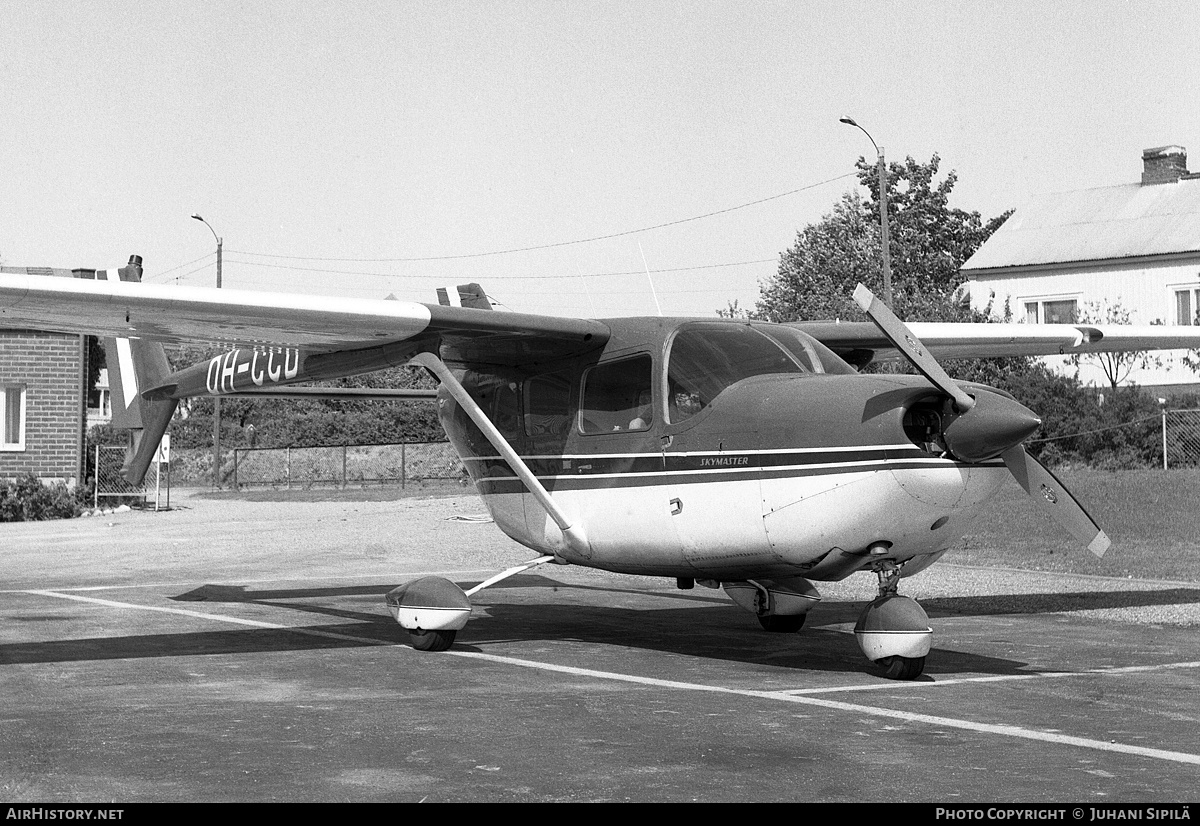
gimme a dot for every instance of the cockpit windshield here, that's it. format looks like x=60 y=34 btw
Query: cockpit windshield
x=807 y=349
x=707 y=357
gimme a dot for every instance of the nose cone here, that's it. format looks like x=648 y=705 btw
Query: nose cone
x=989 y=428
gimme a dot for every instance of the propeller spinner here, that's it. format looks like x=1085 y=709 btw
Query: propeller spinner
x=987 y=425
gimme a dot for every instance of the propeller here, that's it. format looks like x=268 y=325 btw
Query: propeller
x=985 y=425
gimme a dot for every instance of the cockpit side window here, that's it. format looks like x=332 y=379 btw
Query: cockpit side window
x=706 y=358
x=616 y=397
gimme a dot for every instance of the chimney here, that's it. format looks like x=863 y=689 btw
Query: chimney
x=1164 y=165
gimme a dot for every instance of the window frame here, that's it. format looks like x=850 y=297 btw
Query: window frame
x=22 y=425
x=649 y=387
x=1192 y=291
x=691 y=326
x=1042 y=301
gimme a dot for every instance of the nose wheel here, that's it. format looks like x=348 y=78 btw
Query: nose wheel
x=902 y=668
x=432 y=640
x=893 y=630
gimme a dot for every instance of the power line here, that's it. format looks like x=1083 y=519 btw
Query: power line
x=181 y=266
x=496 y=276
x=440 y=281
x=559 y=243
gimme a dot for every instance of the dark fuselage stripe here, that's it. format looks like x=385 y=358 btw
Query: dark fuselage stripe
x=510 y=484
x=655 y=463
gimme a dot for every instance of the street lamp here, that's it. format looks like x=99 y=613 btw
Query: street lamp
x=214 y=232
x=883 y=213
x=216 y=399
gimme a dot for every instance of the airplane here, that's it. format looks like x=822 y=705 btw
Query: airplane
x=735 y=454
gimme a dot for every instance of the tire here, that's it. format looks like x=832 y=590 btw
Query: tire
x=432 y=640
x=903 y=668
x=782 y=623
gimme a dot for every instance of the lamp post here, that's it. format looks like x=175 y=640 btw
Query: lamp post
x=216 y=399
x=883 y=212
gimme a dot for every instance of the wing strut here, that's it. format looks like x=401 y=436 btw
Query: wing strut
x=572 y=533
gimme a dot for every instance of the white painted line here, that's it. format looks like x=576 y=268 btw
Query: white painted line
x=995 y=678
x=183 y=612
x=778 y=696
x=891 y=714
x=192 y=583
x=216 y=617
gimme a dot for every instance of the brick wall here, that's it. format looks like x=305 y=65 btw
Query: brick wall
x=52 y=368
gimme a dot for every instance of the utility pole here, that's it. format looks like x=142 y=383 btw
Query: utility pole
x=216 y=399
x=883 y=213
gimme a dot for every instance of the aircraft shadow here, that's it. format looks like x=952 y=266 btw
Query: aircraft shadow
x=187 y=644
x=708 y=627
x=1056 y=602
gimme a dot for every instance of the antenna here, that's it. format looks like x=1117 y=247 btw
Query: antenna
x=651 y=280
x=587 y=289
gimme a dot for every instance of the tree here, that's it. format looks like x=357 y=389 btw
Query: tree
x=929 y=241
x=1115 y=366
x=817 y=275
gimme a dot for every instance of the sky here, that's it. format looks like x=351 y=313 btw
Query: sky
x=575 y=158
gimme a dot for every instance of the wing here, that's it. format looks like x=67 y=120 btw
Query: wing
x=238 y=318
x=859 y=342
x=276 y=339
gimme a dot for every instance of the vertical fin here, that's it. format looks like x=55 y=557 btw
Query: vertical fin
x=135 y=365
x=471 y=296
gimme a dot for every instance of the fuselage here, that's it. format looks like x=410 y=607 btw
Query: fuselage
x=717 y=449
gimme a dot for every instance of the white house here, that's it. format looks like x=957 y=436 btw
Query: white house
x=100 y=401
x=1077 y=256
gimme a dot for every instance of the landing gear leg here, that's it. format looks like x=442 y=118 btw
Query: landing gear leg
x=779 y=604
x=893 y=630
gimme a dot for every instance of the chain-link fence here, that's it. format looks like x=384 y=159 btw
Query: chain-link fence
x=111 y=485
x=1181 y=438
x=343 y=465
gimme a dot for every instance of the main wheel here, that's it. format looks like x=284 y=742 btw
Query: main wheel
x=783 y=623
x=432 y=640
x=903 y=668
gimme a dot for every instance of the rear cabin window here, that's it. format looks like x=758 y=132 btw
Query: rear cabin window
x=547 y=406
x=616 y=397
x=500 y=399
x=707 y=358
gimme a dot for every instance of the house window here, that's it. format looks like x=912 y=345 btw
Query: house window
x=1052 y=311
x=1187 y=305
x=12 y=418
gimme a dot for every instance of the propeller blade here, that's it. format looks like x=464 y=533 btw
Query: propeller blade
x=1053 y=497
x=908 y=344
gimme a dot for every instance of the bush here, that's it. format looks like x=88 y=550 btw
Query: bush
x=28 y=500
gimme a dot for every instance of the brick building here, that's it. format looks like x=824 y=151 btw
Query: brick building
x=43 y=398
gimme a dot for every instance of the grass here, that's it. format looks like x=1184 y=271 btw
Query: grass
x=430 y=488
x=1150 y=515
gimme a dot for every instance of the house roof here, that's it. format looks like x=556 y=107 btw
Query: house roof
x=1127 y=221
